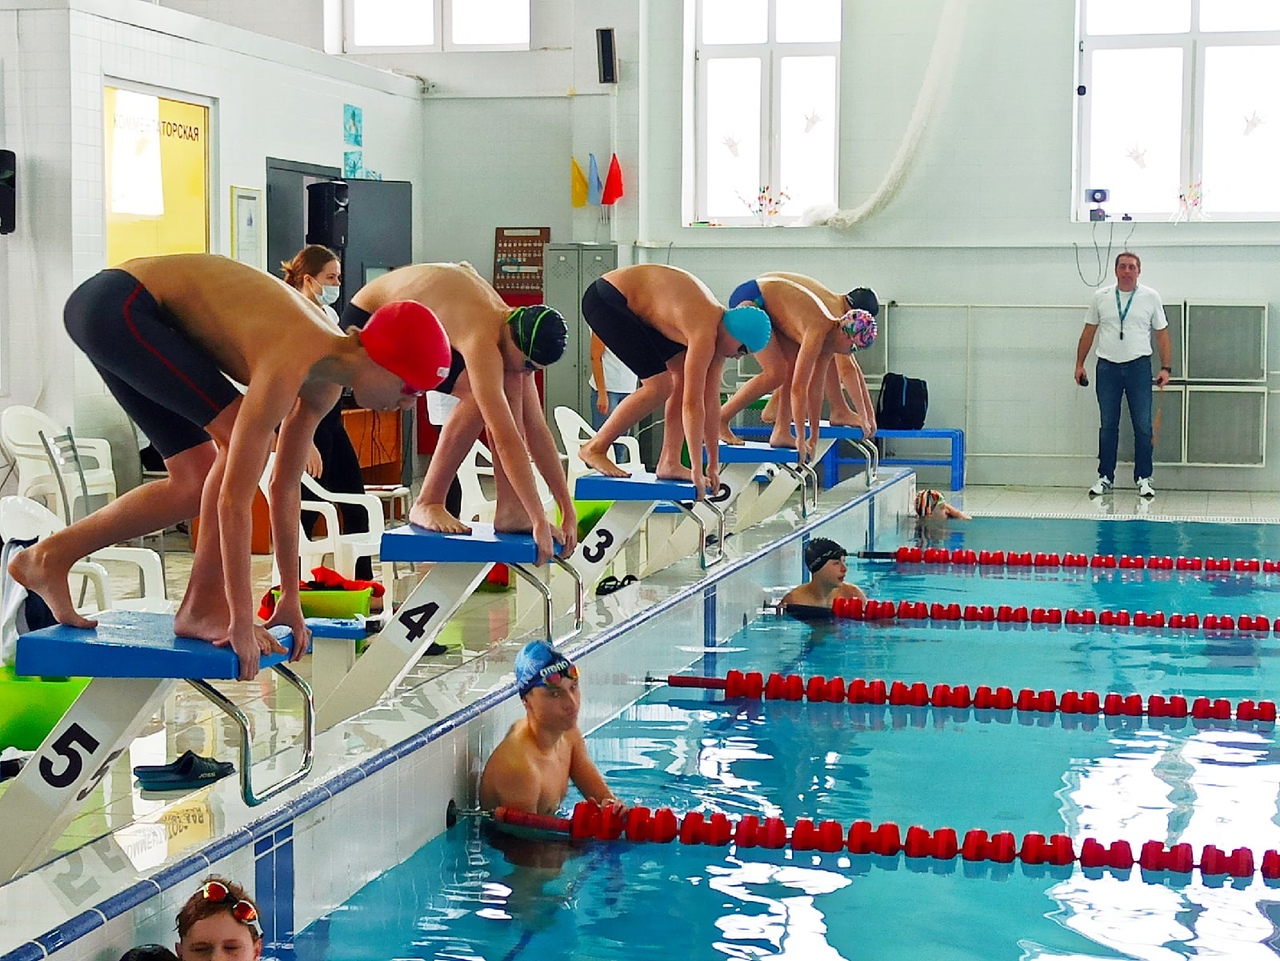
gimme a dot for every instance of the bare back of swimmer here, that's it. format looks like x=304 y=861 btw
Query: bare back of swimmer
x=498 y=350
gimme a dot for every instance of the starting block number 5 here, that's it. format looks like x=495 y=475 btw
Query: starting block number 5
x=68 y=747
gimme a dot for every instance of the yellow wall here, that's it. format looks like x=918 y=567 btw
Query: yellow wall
x=157 y=175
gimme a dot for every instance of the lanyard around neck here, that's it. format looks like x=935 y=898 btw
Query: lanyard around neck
x=1124 y=311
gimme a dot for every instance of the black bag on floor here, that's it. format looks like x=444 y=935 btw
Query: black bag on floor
x=903 y=403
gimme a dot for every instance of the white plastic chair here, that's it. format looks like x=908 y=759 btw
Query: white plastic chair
x=345 y=548
x=574 y=432
x=24 y=519
x=20 y=429
x=476 y=504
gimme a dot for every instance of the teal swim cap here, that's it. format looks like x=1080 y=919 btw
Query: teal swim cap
x=749 y=326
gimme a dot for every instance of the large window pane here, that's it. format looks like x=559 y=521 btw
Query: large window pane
x=1135 y=103
x=1242 y=129
x=497 y=22
x=1112 y=17
x=1239 y=15
x=733 y=135
x=807 y=127
x=735 y=21
x=809 y=21
x=392 y=23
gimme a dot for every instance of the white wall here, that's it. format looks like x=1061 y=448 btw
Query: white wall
x=270 y=99
x=980 y=216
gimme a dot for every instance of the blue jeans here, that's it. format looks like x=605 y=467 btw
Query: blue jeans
x=597 y=418
x=1131 y=380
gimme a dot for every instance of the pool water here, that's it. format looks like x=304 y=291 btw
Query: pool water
x=466 y=896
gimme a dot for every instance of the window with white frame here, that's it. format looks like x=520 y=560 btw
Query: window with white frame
x=414 y=25
x=1180 y=110
x=766 y=85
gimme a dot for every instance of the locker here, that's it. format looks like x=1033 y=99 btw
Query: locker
x=568 y=269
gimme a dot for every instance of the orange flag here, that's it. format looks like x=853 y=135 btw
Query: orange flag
x=577 y=184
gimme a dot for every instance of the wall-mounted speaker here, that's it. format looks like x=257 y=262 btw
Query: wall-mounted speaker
x=8 y=191
x=327 y=213
x=606 y=55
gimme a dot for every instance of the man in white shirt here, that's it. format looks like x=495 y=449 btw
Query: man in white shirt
x=1123 y=317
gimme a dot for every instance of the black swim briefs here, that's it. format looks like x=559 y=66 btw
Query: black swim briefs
x=644 y=350
x=167 y=383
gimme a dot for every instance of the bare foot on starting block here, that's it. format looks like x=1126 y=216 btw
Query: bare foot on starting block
x=204 y=618
x=512 y=518
x=845 y=418
x=770 y=412
x=35 y=571
x=674 y=470
x=782 y=437
x=729 y=437
x=598 y=460
x=434 y=517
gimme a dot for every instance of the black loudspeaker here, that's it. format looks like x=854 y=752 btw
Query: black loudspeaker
x=8 y=191
x=606 y=55
x=327 y=213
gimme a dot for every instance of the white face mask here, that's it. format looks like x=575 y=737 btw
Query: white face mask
x=329 y=295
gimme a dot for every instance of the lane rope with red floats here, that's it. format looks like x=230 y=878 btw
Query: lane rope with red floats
x=663 y=826
x=853 y=608
x=753 y=686
x=967 y=557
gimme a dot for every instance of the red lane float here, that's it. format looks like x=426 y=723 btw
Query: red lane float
x=987 y=558
x=859 y=690
x=852 y=608
x=663 y=826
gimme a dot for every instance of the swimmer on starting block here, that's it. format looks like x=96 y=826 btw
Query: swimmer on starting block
x=496 y=350
x=795 y=365
x=169 y=335
x=531 y=769
x=824 y=559
x=668 y=328
x=843 y=373
x=932 y=507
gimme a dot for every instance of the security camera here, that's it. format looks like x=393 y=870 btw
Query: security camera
x=1098 y=195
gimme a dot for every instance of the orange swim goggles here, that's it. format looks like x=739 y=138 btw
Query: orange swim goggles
x=218 y=893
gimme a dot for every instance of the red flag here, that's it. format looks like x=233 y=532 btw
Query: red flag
x=612 y=182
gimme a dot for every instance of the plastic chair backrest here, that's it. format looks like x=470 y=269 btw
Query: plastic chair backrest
x=64 y=458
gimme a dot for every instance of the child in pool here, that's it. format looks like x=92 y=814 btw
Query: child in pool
x=824 y=559
x=932 y=507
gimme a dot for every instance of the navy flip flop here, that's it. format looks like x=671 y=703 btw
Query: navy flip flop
x=188 y=772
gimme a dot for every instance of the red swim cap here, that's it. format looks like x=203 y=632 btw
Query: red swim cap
x=407 y=339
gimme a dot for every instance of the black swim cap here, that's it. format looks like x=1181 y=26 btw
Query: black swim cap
x=820 y=550
x=863 y=298
x=540 y=332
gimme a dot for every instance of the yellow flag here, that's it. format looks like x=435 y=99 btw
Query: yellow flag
x=578 y=181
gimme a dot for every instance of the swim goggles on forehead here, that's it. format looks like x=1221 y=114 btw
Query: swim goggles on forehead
x=216 y=892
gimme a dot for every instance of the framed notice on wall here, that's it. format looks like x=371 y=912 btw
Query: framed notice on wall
x=246 y=226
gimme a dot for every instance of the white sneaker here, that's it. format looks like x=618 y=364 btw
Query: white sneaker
x=1144 y=487
x=1102 y=487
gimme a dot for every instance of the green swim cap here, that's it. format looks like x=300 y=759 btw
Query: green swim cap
x=749 y=326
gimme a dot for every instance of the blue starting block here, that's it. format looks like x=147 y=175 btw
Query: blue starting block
x=634 y=498
x=740 y=462
x=829 y=459
x=461 y=563
x=135 y=661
